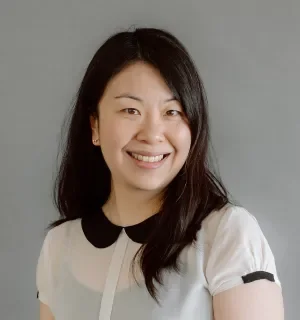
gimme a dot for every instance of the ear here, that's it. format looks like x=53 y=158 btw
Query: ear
x=94 y=122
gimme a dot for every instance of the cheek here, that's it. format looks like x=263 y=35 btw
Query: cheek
x=181 y=138
x=114 y=135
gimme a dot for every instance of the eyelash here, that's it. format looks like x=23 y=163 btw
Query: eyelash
x=127 y=110
x=130 y=109
x=178 y=113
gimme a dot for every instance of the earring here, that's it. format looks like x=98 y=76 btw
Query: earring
x=95 y=140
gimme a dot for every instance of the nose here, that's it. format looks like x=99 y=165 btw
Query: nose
x=151 y=131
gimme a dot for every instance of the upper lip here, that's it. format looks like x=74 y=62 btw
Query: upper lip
x=149 y=154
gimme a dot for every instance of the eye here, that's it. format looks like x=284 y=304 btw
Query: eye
x=173 y=113
x=131 y=111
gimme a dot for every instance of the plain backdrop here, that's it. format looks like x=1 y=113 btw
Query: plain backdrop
x=247 y=53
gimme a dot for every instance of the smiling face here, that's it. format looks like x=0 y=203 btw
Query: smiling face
x=142 y=130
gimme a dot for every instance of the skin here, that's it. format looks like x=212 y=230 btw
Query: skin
x=136 y=115
x=45 y=312
x=139 y=114
x=259 y=300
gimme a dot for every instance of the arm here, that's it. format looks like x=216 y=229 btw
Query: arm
x=45 y=313
x=240 y=270
x=259 y=300
x=44 y=273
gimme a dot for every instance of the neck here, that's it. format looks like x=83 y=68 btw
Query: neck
x=127 y=207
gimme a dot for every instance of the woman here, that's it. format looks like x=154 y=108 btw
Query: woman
x=147 y=231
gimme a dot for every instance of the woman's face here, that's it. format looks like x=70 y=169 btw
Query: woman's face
x=142 y=130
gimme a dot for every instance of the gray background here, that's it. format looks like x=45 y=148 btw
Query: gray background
x=248 y=55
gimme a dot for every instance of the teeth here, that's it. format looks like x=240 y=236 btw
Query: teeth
x=147 y=159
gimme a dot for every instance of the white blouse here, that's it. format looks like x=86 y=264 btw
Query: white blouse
x=83 y=271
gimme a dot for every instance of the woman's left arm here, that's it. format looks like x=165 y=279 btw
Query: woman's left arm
x=258 y=300
x=240 y=268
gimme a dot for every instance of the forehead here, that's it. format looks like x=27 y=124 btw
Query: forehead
x=140 y=79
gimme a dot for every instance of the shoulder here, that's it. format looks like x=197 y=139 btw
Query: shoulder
x=54 y=247
x=57 y=237
x=236 y=250
x=63 y=229
x=51 y=255
x=231 y=219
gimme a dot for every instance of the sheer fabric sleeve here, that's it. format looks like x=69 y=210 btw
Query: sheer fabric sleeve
x=239 y=252
x=44 y=272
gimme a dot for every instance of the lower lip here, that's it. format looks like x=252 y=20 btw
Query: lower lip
x=148 y=165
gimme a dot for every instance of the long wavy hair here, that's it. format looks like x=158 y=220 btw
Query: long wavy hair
x=83 y=182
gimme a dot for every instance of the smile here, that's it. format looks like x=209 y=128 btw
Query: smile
x=148 y=161
x=147 y=158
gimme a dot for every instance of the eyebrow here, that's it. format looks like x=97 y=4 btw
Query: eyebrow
x=130 y=96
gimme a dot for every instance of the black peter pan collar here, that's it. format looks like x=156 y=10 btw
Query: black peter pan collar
x=102 y=233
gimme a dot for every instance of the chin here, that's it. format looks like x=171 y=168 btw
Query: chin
x=148 y=185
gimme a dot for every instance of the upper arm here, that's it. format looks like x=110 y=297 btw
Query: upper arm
x=259 y=300
x=47 y=270
x=44 y=272
x=240 y=269
x=45 y=312
x=52 y=255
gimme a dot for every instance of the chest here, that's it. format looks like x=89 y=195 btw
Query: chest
x=99 y=284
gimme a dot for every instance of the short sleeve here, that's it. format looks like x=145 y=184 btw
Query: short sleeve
x=44 y=272
x=239 y=252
